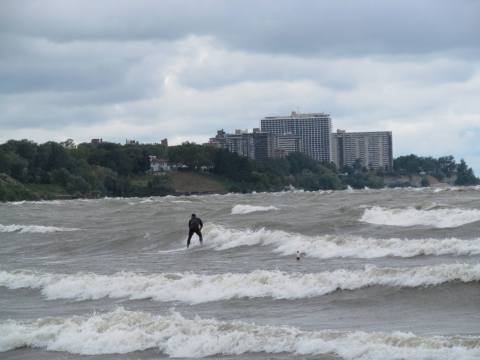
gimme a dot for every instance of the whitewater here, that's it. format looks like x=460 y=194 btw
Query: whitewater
x=121 y=332
x=439 y=218
x=333 y=246
x=382 y=274
x=32 y=228
x=193 y=288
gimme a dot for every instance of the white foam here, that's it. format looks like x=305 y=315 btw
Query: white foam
x=455 y=188
x=438 y=218
x=246 y=209
x=196 y=288
x=41 y=202
x=122 y=331
x=33 y=228
x=171 y=251
x=337 y=246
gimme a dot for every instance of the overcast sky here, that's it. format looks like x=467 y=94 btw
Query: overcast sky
x=146 y=70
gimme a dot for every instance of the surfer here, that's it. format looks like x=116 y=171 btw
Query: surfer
x=195 y=226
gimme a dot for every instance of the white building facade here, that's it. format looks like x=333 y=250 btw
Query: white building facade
x=312 y=129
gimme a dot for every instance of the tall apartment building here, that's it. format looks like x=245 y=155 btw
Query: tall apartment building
x=374 y=149
x=313 y=129
x=286 y=144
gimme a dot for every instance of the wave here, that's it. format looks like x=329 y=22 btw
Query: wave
x=195 y=288
x=38 y=202
x=438 y=218
x=246 y=209
x=337 y=246
x=33 y=228
x=122 y=331
x=456 y=188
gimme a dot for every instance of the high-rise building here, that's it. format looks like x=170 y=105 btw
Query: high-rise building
x=373 y=149
x=313 y=129
x=286 y=144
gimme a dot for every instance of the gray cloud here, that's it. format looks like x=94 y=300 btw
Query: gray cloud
x=270 y=26
x=35 y=64
x=182 y=69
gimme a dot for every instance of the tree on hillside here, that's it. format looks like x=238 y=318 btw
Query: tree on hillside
x=299 y=162
x=192 y=155
x=409 y=164
x=465 y=175
x=233 y=166
x=447 y=164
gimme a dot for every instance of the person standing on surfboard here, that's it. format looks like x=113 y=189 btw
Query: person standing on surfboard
x=195 y=226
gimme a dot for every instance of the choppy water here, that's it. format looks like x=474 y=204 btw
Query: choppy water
x=386 y=274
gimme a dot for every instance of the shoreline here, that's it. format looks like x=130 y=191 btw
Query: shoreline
x=434 y=189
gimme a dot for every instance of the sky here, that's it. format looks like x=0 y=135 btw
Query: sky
x=148 y=70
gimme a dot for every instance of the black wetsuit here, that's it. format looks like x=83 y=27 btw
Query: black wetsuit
x=195 y=226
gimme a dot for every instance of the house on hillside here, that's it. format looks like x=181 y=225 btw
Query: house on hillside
x=158 y=164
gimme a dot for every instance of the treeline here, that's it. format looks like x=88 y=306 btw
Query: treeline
x=61 y=169
x=29 y=170
x=443 y=169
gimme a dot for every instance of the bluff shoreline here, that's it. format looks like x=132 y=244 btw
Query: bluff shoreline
x=184 y=184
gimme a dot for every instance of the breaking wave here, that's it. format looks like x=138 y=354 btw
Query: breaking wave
x=121 y=331
x=246 y=209
x=198 y=288
x=335 y=246
x=41 y=202
x=33 y=228
x=438 y=218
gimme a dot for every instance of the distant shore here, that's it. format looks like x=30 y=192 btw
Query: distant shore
x=30 y=171
x=185 y=184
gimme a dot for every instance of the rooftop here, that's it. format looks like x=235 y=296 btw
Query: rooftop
x=296 y=115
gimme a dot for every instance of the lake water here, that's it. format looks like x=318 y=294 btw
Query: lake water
x=383 y=274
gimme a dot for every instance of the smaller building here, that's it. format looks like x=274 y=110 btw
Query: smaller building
x=263 y=144
x=131 y=142
x=158 y=164
x=256 y=145
x=96 y=141
x=68 y=144
x=219 y=140
x=373 y=149
x=164 y=142
x=236 y=143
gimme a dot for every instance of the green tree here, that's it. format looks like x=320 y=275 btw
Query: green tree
x=232 y=166
x=161 y=185
x=465 y=175
x=299 y=162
